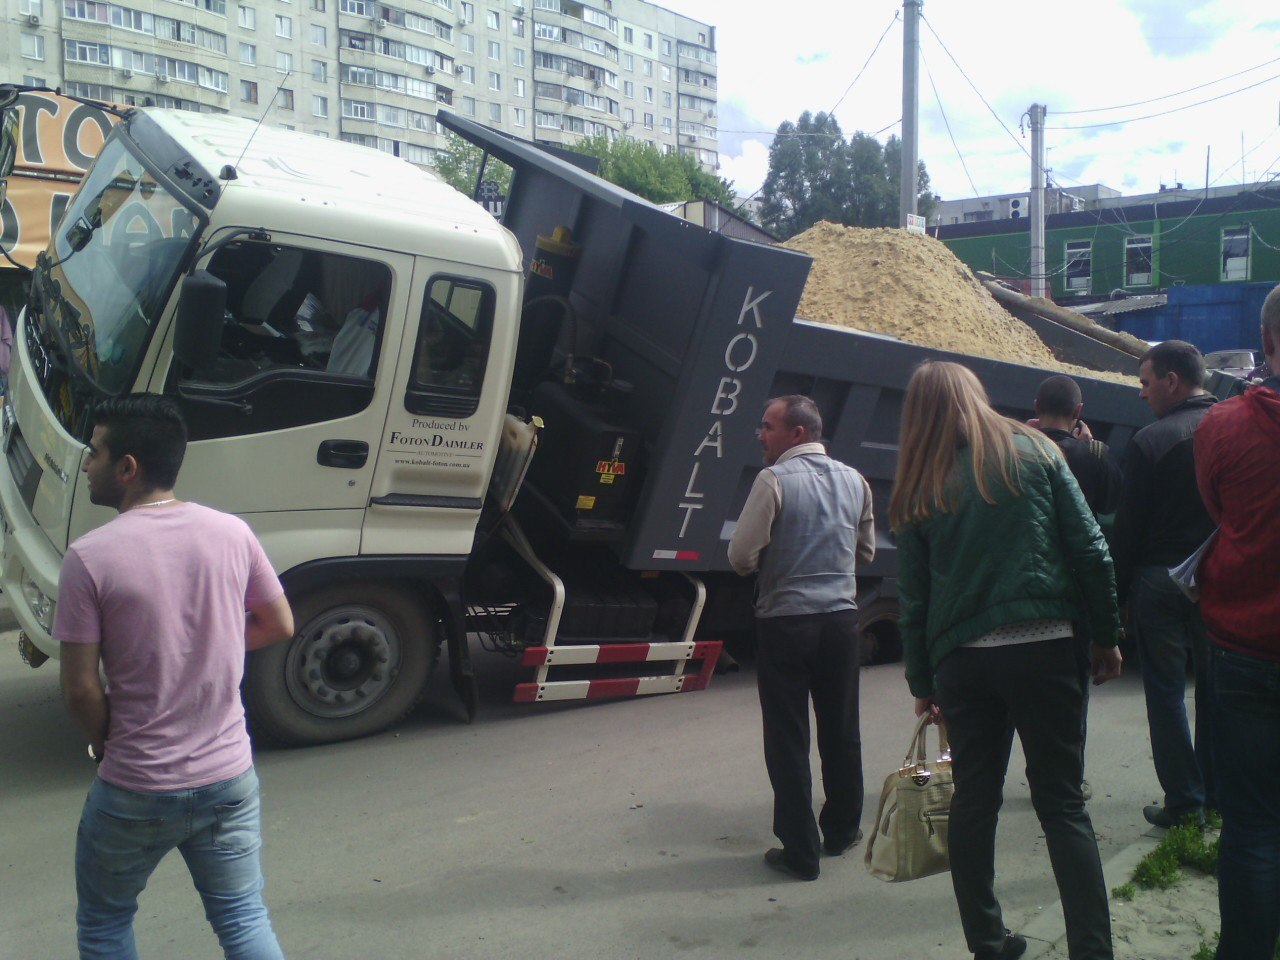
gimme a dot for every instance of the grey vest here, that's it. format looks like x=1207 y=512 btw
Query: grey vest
x=808 y=566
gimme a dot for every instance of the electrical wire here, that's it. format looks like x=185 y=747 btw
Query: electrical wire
x=896 y=18
x=947 y=124
x=1171 y=110
x=973 y=86
x=1169 y=96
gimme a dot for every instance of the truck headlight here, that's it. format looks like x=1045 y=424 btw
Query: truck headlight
x=41 y=605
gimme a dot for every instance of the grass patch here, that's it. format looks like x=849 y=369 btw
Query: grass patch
x=1206 y=951
x=1123 y=892
x=1181 y=846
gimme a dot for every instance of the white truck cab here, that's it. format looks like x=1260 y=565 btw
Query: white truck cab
x=339 y=328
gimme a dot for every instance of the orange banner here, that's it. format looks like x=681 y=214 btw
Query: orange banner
x=57 y=141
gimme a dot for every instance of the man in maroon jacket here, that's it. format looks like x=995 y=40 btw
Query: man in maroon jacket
x=1237 y=453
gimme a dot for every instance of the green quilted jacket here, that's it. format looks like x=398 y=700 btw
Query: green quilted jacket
x=1035 y=556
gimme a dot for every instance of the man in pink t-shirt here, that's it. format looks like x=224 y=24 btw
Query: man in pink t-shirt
x=167 y=596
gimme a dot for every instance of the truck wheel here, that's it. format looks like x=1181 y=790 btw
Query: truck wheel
x=358 y=664
x=878 y=622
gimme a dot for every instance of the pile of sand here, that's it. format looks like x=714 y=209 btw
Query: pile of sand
x=911 y=287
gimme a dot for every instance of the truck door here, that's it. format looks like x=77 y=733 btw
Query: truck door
x=445 y=412
x=284 y=421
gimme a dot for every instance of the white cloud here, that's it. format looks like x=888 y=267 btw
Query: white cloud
x=1095 y=54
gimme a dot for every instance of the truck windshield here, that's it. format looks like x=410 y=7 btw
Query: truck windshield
x=111 y=266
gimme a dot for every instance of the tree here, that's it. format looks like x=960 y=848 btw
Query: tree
x=816 y=174
x=658 y=177
x=458 y=165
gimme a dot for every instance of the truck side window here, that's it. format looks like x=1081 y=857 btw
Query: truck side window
x=452 y=348
x=300 y=340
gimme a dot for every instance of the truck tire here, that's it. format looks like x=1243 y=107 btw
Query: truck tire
x=878 y=623
x=358 y=664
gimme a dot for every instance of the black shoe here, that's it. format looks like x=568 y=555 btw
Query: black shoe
x=1014 y=946
x=836 y=851
x=776 y=859
x=1159 y=816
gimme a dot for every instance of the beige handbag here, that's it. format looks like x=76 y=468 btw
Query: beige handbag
x=910 y=838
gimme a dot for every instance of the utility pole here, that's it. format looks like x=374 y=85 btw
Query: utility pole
x=910 y=108
x=1038 y=284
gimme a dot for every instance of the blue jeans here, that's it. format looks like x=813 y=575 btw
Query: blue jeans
x=1245 y=699
x=1167 y=627
x=125 y=834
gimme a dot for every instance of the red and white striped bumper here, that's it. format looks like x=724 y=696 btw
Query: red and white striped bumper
x=544 y=689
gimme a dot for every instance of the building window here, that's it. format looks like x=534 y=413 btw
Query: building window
x=666 y=74
x=666 y=47
x=628 y=88
x=32 y=46
x=317 y=5
x=517 y=27
x=319 y=35
x=495 y=50
x=1235 y=253
x=628 y=61
x=648 y=41
x=628 y=35
x=284 y=62
x=469 y=106
x=1079 y=259
x=467 y=12
x=648 y=121
x=517 y=57
x=666 y=124
x=248 y=54
x=284 y=27
x=492 y=21
x=495 y=113
x=518 y=88
x=648 y=68
x=518 y=116
x=666 y=99
x=247 y=17
x=979 y=216
x=31 y=8
x=286 y=98
x=31 y=81
x=467 y=74
x=319 y=71
x=495 y=81
x=248 y=91
x=319 y=106
x=648 y=94
x=468 y=43
x=1137 y=262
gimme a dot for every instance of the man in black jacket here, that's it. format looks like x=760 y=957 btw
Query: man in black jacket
x=1160 y=522
x=1058 y=407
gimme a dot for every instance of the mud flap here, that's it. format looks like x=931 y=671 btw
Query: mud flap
x=461 y=674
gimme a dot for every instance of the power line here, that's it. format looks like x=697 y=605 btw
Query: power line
x=947 y=123
x=973 y=86
x=1169 y=96
x=896 y=17
x=1165 y=113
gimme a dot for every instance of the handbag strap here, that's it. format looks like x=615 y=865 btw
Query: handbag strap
x=918 y=748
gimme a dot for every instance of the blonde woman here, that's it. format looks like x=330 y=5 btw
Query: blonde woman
x=998 y=555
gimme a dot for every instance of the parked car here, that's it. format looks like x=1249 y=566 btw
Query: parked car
x=1238 y=363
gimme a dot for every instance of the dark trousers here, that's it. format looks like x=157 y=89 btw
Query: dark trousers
x=1167 y=628
x=986 y=694
x=798 y=657
x=1244 y=695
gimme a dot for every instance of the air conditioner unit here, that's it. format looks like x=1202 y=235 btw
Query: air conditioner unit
x=379 y=23
x=127 y=74
x=430 y=70
x=458 y=69
x=691 y=138
x=33 y=19
x=162 y=78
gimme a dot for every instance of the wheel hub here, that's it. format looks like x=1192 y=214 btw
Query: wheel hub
x=342 y=661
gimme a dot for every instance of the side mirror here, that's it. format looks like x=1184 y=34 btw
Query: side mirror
x=201 y=305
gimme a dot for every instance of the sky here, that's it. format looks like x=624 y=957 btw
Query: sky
x=776 y=61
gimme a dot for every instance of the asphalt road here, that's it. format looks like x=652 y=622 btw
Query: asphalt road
x=611 y=830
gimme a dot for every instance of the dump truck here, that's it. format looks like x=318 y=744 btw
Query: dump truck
x=534 y=433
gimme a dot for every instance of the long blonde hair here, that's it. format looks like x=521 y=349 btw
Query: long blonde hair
x=947 y=408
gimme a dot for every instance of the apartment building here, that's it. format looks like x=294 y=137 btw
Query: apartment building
x=374 y=72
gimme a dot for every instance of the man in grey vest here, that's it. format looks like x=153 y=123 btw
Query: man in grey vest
x=806 y=524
